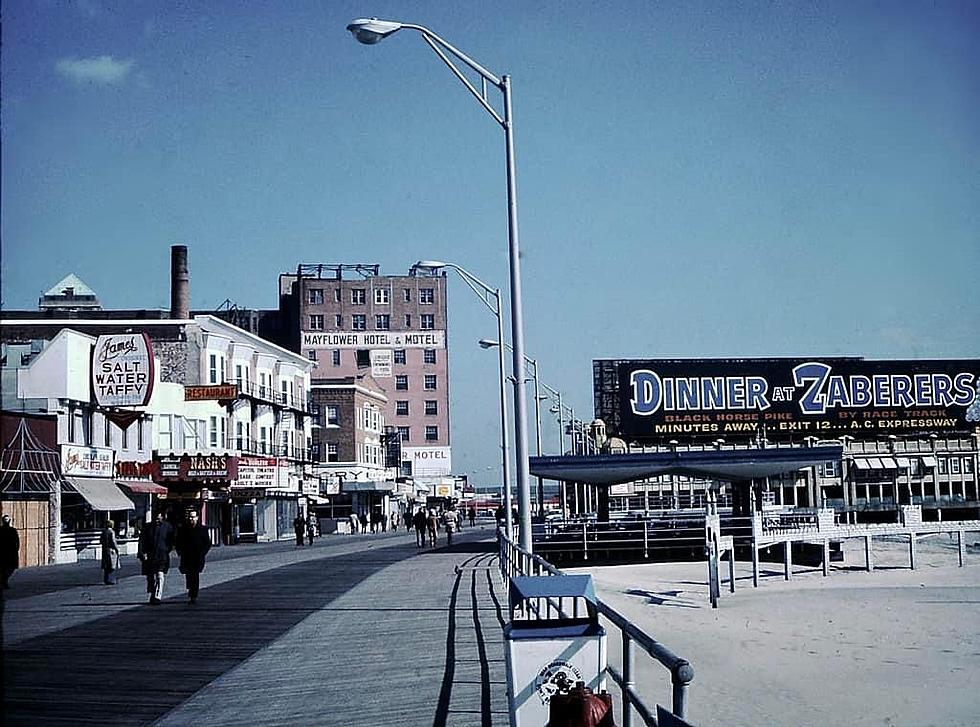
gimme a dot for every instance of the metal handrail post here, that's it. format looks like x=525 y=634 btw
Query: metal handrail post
x=681 y=676
x=629 y=662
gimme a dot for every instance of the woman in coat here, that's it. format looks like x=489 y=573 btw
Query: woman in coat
x=110 y=554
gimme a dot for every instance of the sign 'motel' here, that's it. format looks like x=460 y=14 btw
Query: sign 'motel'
x=122 y=370
x=835 y=396
x=374 y=339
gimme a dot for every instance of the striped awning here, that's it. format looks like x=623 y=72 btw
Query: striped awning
x=889 y=463
x=904 y=463
x=929 y=462
x=143 y=487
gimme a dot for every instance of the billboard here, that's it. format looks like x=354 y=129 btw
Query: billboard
x=795 y=397
x=122 y=369
x=86 y=461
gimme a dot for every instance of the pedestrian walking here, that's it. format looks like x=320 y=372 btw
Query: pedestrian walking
x=193 y=544
x=419 y=522
x=409 y=519
x=394 y=522
x=310 y=526
x=353 y=522
x=472 y=514
x=299 y=527
x=156 y=542
x=9 y=550
x=432 y=526
x=110 y=554
x=364 y=522
x=450 y=522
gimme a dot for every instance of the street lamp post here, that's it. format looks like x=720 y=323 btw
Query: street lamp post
x=533 y=363
x=485 y=293
x=371 y=31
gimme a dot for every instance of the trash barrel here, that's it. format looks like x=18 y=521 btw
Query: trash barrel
x=551 y=649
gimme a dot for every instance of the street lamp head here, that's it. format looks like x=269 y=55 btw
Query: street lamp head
x=430 y=264
x=488 y=343
x=371 y=30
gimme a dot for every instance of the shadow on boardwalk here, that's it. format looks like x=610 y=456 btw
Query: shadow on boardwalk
x=362 y=637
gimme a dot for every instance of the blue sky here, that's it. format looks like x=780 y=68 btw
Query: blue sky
x=694 y=178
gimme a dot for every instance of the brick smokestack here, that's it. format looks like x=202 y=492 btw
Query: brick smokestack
x=179 y=282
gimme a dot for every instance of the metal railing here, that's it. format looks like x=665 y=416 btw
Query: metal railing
x=515 y=561
x=266 y=392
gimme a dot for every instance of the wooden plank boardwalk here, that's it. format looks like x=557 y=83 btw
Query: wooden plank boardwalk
x=357 y=630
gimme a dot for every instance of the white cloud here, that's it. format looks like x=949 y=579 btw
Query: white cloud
x=101 y=70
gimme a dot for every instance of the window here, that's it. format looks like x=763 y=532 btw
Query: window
x=262 y=384
x=941 y=466
x=404 y=433
x=86 y=423
x=333 y=415
x=429 y=355
x=107 y=431
x=338 y=321
x=430 y=382
x=358 y=322
x=401 y=382
x=358 y=296
x=427 y=322
x=164 y=432
x=401 y=408
x=264 y=440
x=830 y=469
x=213 y=432
x=363 y=358
x=140 y=441
x=408 y=320
x=316 y=296
x=431 y=407
x=216 y=368
x=381 y=296
x=954 y=466
x=426 y=296
x=407 y=295
x=316 y=322
x=967 y=466
x=336 y=295
x=238 y=373
x=194 y=433
x=125 y=437
x=399 y=355
x=431 y=434
x=335 y=357
x=382 y=322
x=332 y=455
x=311 y=354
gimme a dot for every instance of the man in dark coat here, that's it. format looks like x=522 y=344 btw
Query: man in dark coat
x=9 y=550
x=419 y=522
x=156 y=542
x=193 y=544
x=299 y=527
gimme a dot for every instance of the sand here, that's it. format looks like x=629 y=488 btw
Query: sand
x=891 y=647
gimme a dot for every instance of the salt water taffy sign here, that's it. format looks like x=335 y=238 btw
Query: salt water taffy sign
x=122 y=370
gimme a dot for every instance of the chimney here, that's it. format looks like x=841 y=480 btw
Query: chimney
x=179 y=285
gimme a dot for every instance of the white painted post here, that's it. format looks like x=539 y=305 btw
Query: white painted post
x=959 y=545
x=912 y=550
x=826 y=556
x=869 y=562
x=788 y=560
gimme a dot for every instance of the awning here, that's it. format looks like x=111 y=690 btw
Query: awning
x=369 y=486
x=889 y=463
x=904 y=463
x=862 y=464
x=875 y=463
x=143 y=487
x=929 y=462
x=102 y=495
x=732 y=465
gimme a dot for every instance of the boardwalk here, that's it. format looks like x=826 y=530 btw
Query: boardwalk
x=361 y=630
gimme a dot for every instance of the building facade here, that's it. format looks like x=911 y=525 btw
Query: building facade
x=349 y=321
x=226 y=429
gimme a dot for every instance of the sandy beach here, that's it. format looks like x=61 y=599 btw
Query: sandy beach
x=890 y=647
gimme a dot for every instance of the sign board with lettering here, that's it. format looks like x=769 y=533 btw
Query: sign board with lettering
x=428 y=460
x=197 y=467
x=86 y=461
x=381 y=361
x=789 y=397
x=211 y=393
x=374 y=339
x=122 y=369
x=258 y=472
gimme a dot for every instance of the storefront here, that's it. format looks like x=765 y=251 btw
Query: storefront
x=201 y=481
